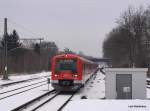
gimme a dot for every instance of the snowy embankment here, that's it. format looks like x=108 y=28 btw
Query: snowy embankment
x=108 y=105
x=20 y=77
x=94 y=89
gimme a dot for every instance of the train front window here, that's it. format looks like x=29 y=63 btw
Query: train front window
x=66 y=65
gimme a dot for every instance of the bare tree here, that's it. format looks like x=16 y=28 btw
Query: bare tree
x=126 y=43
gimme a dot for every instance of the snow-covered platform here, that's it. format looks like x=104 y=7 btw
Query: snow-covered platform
x=108 y=105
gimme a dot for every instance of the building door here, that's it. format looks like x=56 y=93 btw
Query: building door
x=124 y=86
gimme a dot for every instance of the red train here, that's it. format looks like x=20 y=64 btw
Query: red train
x=70 y=71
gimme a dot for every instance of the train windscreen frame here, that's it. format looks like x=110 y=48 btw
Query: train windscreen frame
x=66 y=65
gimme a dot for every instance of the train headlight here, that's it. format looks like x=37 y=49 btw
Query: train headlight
x=56 y=75
x=75 y=75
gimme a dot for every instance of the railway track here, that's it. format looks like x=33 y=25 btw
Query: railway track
x=66 y=102
x=60 y=101
x=21 y=81
x=43 y=103
x=21 y=87
x=28 y=104
x=49 y=99
x=13 y=92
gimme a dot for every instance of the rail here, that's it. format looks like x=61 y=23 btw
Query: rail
x=45 y=102
x=22 y=87
x=22 y=91
x=21 y=81
x=60 y=109
x=32 y=101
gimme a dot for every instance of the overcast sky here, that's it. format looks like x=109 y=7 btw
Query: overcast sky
x=80 y=25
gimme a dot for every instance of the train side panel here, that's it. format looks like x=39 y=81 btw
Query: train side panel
x=87 y=72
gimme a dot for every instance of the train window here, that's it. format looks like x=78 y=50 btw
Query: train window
x=66 y=65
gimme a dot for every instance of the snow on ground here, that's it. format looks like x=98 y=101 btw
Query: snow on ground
x=95 y=92
x=108 y=105
x=148 y=93
x=17 y=100
x=13 y=78
x=148 y=79
x=94 y=89
x=20 y=90
x=10 y=103
x=148 y=90
x=55 y=104
x=15 y=86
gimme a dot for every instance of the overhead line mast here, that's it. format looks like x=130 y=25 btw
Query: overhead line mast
x=5 y=75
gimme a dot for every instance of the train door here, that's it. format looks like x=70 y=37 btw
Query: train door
x=124 y=86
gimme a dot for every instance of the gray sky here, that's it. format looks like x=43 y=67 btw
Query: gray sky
x=80 y=25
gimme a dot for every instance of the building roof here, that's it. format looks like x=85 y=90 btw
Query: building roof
x=100 y=59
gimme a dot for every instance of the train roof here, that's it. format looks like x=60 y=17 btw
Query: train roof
x=73 y=56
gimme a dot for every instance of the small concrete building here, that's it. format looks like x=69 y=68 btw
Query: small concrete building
x=125 y=83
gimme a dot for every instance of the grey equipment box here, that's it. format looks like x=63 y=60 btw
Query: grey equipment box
x=125 y=83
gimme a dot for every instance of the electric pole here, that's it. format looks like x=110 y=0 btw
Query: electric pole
x=5 y=75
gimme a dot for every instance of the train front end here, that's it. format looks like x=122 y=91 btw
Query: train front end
x=66 y=73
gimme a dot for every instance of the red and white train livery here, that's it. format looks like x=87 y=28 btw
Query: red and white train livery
x=70 y=71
